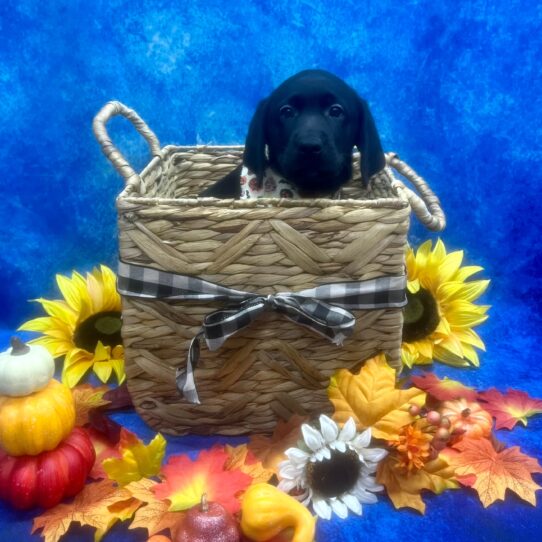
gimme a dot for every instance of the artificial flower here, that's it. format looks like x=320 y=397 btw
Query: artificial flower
x=334 y=469
x=441 y=313
x=413 y=446
x=84 y=326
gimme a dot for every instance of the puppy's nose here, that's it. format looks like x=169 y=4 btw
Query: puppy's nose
x=312 y=147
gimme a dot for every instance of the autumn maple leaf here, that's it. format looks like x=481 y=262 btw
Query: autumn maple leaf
x=87 y=398
x=99 y=505
x=154 y=515
x=186 y=481
x=404 y=488
x=443 y=390
x=270 y=450
x=137 y=460
x=495 y=471
x=510 y=408
x=241 y=458
x=371 y=398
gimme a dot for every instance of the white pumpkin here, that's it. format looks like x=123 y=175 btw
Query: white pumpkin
x=24 y=369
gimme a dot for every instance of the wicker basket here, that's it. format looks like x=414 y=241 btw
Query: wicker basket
x=272 y=367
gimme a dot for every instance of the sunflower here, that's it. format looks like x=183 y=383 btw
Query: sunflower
x=440 y=312
x=84 y=326
x=333 y=469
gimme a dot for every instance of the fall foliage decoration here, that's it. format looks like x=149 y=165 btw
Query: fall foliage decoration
x=372 y=399
x=37 y=422
x=468 y=418
x=137 y=460
x=84 y=327
x=441 y=314
x=510 y=408
x=445 y=389
x=495 y=471
x=187 y=480
x=45 y=479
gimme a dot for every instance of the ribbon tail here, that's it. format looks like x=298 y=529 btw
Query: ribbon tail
x=184 y=378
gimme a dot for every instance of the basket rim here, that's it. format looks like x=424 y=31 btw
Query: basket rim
x=127 y=194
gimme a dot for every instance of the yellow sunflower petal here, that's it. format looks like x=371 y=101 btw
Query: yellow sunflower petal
x=465 y=272
x=58 y=309
x=464 y=314
x=95 y=292
x=43 y=323
x=470 y=353
x=470 y=337
x=451 y=344
x=445 y=356
x=467 y=291
x=74 y=373
x=56 y=347
x=424 y=347
x=103 y=370
x=449 y=265
x=111 y=296
x=413 y=286
x=70 y=292
x=423 y=253
x=118 y=367
x=77 y=355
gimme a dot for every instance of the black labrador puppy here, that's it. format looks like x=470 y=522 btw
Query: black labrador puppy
x=305 y=132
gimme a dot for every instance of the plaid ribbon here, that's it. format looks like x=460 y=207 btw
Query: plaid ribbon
x=324 y=309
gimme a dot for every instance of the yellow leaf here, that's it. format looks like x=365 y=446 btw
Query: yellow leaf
x=90 y=507
x=245 y=461
x=87 y=398
x=138 y=460
x=155 y=515
x=371 y=398
x=404 y=489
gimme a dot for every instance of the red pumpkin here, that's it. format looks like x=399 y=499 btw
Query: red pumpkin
x=45 y=479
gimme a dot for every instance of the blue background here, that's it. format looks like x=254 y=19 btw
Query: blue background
x=454 y=89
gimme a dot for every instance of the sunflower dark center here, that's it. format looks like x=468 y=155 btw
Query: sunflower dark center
x=335 y=476
x=421 y=316
x=102 y=326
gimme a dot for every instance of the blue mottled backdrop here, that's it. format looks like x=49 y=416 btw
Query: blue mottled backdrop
x=454 y=88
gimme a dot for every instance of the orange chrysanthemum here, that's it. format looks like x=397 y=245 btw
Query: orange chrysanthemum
x=413 y=447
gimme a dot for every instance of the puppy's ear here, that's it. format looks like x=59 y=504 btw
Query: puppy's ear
x=368 y=143
x=254 y=156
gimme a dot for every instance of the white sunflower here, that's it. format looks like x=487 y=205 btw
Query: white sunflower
x=333 y=468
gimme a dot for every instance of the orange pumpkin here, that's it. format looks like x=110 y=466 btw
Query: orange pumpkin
x=37 y=422
x=467 y=418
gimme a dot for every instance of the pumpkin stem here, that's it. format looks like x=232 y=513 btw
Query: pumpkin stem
x=18 y=348
x=465 y=413
x=204 y=504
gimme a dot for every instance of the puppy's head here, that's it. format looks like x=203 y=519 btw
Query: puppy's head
x=309 y=125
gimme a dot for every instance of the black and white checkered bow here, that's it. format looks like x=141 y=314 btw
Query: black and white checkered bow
x=322 y=309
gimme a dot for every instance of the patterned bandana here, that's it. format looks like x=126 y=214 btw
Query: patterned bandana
x=273 y=186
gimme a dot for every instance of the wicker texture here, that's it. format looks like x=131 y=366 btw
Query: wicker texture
x=273 y=368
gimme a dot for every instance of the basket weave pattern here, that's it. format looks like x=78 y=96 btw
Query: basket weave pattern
x=273 y=368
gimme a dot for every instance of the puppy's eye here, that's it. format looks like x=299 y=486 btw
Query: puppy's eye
x=287 y=112
x=336 y=111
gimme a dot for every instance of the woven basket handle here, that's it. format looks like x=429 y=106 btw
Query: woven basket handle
x=426 y=206
x=108 y=111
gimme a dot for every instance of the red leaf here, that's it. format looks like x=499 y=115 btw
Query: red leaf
x=187 y=480
x=443 y=390
x=510 y=408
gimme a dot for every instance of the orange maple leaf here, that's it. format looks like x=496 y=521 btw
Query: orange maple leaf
x=372 y=399
x=270 y=450
x=404 y=488
x=186 y=481
x=510 y=408
x=495 y=471
x=443 y=390
x=241 y=458
x=99 y=505
x=154 y=515
x=87 y=398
